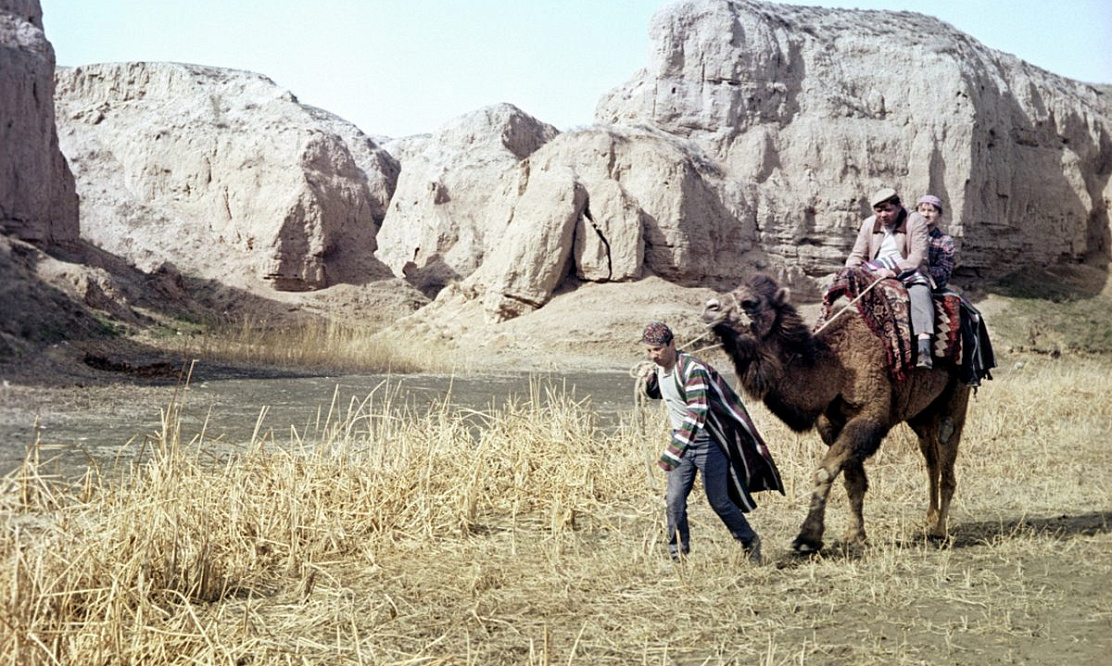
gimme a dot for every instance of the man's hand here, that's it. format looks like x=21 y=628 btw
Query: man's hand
x=876 y=268
x=645 y=368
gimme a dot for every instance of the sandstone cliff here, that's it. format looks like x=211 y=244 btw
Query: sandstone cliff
x=447 y=213
x=37 y=198
x=38 y=203
x=749 y=142
x=809 y=110
x=599 y=204
x=223 y=173
x=611 y=204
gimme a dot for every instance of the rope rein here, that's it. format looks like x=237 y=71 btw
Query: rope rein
x=694 y=340
x=848 y=305
x=640 y=371
x=637 y=369
x=641 y=399
x=634 y=371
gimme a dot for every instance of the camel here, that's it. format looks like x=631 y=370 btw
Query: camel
x=837 y=382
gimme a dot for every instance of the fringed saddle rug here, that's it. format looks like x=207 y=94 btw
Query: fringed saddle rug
x=887 y=312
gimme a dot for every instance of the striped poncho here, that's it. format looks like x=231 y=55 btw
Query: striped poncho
x=712 y=405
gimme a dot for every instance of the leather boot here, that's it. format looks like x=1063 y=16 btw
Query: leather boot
x=924 y=360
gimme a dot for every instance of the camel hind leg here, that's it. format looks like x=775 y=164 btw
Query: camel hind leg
x=928 y=445
x=853 y=472
x=951 y=425
x=939 y=429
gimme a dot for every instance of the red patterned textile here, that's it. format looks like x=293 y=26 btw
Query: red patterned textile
x=947 y=327
x=886 y=311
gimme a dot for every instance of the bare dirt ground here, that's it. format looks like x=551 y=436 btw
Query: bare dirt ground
x=563 y=560
x=1025 y=578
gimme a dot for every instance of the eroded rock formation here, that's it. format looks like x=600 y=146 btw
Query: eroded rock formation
x=750 y=141
x=810 y=109
x=223 y=173
x=626 y=202
x=449 y=209
x=37 y=198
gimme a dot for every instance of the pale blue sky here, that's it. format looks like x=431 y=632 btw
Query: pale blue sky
x=399 y=67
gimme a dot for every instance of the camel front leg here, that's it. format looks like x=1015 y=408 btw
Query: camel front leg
x=809 y=539
x=857 y=439
x=948 y=440
x=928 y=445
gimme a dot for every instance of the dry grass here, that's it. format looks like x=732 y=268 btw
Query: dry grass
x=529 y=535
x=308 y=344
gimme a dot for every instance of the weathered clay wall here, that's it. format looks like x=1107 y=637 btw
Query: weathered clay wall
x=811 y=109
x=223 y=173
x=37 y=198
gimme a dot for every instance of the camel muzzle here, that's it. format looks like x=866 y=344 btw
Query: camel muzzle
x=714 y=313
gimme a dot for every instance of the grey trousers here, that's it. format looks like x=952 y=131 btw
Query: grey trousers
x=922 y=309
x=706 y=456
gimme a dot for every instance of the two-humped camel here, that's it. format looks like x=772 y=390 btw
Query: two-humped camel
x=838 y=382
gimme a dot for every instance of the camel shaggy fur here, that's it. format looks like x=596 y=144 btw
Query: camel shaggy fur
x=838 y=382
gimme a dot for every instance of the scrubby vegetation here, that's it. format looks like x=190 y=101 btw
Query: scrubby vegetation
x=1065 y=310
x=530 y=534
x=306 y=344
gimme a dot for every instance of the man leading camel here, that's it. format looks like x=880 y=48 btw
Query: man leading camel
x=711 y=432
x=895 y=243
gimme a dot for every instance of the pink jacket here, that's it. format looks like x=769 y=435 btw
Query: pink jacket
x=912 y=238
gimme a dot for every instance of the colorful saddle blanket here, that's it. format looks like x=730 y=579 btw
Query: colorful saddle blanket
x=887 y=312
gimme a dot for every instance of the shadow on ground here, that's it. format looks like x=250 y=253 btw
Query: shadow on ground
x=973 y=534
x=966 y=535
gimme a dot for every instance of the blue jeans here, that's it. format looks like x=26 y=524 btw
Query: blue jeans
x=706 y=456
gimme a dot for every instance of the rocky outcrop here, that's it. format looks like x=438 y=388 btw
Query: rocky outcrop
x=626 y=202
x=379 y=167
x=38 y=201
x=600 y=204
x=656 y=203
x=750 y=142
x=535 y=247
x=808 y=110
x=448 y=210
x=223 y=173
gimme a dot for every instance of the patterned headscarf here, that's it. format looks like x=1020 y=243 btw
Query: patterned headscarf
x=656 y=333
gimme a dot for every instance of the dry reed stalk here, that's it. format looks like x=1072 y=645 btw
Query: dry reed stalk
x=526 y=534
x=308 y=344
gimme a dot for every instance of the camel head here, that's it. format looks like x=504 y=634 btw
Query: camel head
x=752 y=309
